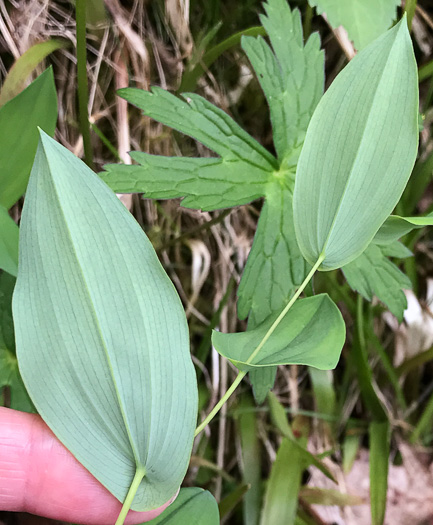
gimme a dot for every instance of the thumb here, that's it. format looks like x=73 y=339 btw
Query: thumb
x=39 y=475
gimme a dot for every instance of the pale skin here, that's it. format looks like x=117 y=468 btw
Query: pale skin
x=39 y=475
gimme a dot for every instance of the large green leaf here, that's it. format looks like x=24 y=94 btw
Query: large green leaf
x=102 y=339
x=19 y=119
x=372 y=273
x=8 y=243
x=359 y=151
x=312 y=333
x=193 y=506
x=364 y=20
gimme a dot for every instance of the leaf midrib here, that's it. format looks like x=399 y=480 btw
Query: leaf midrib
x=138 y=463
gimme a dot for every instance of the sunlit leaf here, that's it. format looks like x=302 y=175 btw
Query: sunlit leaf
x=19 y=119
x=25 y=65
x=312 y=333
x=359 y=151
x=102 y=339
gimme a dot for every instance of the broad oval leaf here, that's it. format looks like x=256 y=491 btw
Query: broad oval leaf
x=19 y=119
x=193 y=506
x=102 y=339
x=359 y=151
x=312 y=333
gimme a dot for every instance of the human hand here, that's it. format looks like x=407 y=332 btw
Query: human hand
x=39 y=475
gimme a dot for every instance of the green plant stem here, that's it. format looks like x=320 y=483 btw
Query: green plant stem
x=424 y=422
x=409 y=9
x=268 y=334
x=83 y=88
x=139 y=475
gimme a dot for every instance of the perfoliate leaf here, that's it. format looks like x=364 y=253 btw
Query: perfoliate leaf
x=364 y=20
x=19 y=119
x=312 y=333
x=102 y=339
x=193 y=506
x=372 y=273
x=292 y=79
x=359 y=152
x=395 y=227
x=9 y=234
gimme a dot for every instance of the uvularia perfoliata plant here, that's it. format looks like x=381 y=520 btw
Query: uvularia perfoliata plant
x=102 y=339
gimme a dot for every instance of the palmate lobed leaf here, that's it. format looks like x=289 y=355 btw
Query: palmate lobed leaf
x=19 y=118
x=359 y=151
x=372 y=273
x=364 y=20
x=312 y=333
x=102 y=339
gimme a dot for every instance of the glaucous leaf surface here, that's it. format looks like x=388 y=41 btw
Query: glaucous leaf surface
x=364 y=20
x=395 y=227
x=9 y=235
x=372 y=273
x=102 y=339
x=312 y=333
x=193 y=506
x=19 y=119
x=359 y=151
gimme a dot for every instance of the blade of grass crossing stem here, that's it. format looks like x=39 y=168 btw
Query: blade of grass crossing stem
x=324 y=396
x=229 y=502
x=424 y=423
x=281 y=498
x=379 y=432
x=251 y=462
x=190 y=78
x=83 y=88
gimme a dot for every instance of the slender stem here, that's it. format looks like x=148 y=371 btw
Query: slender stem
x=220 y=403
x=83 y=88
x=139 y=475
x=410 y=8
x=268 y=334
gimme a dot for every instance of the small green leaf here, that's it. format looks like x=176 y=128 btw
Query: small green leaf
x=372 y=273
x=395 y=227
x=364 y=20
x=232 y=499
x=9 y=234
x=25 y=65
x=359 y=151
x=312 y=333
x=7 y=336
x=380 y=434
x=19 y=119
x=193 y=506
x=102 y=339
